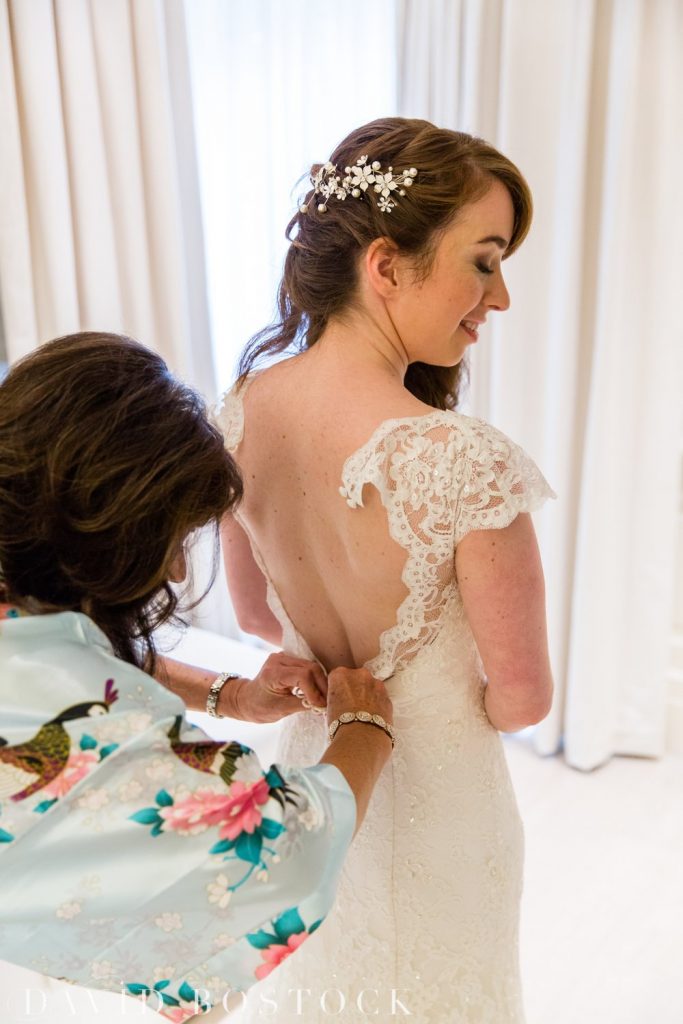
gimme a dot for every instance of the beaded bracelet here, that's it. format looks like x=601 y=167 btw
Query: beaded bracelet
x=214 y=692
x=362 y=716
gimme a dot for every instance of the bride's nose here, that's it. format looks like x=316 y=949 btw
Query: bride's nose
x=498 y=296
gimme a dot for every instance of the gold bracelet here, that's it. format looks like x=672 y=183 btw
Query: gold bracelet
x=214 y=692
x=362 y=716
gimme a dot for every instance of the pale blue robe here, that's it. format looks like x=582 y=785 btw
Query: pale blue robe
x=132 y=870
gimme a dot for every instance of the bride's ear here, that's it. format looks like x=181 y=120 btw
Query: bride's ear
x=384 y=267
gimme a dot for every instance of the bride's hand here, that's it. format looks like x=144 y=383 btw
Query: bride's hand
x=355 y=689
x=268 y=696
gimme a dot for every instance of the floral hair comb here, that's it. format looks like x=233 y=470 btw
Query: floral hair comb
x=328 y=183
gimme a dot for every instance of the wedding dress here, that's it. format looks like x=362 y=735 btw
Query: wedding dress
x=425 y=925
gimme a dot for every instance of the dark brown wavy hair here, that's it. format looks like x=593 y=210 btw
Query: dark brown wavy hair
x=107 y=464
x=320 y=272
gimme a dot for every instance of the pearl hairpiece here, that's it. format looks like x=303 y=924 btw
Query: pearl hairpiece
x=328 y=183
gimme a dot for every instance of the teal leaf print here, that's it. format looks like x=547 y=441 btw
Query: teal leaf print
x=88 y=742
x=189 y=995
x=166 y=999
x=44 y=805
x=136 y=989
x=186 y=992
x=223 y=845
x=289 y=923
x=262 y=940
x=147 y=816
x=271 y=829
x=106 y=751
x=248 y=846
x=274 y=779
x=5 y=837
x=151 y=816
x=316 y=924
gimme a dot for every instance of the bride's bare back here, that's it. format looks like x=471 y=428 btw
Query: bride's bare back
x=337 y=573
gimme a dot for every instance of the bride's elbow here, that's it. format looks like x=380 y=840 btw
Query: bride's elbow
x=259 y=622
x=515 y=706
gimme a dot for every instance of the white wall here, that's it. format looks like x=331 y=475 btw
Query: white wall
x=675 y=689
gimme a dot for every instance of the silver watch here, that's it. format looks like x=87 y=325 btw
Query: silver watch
x=214 y=692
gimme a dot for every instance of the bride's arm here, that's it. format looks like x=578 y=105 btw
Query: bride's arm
x=500 y=577
x=247 y=584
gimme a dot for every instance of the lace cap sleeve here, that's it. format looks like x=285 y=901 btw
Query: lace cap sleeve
x=494 y=481
x=228 y=416
x=439 y=476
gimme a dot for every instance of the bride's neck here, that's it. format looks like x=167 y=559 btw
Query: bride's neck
x=364 y=344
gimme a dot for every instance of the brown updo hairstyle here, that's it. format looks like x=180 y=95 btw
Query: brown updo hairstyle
x=321 y=267
x=107 y=463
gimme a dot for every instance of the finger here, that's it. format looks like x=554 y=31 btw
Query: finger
x=287 y=705
x=320 y=679
x=306 y=679
x=305 y=665
x=290 y=660
x=283 y=681
x=304 y=670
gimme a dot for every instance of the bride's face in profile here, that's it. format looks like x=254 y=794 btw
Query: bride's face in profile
x=439 y=317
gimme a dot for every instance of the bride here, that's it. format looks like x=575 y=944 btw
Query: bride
x=381 y=527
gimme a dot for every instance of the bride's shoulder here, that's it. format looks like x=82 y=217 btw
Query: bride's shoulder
x=436 y=428
x=436 y=440
x=464 y=440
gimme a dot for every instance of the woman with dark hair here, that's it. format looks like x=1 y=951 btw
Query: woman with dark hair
x=136 y=854
x=382 y=528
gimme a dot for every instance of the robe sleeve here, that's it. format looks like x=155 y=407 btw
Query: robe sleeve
x=164 y=865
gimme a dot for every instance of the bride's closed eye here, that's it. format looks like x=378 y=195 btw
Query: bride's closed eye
x=484 y=269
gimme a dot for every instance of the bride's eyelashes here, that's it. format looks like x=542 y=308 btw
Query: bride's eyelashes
x=484 y=269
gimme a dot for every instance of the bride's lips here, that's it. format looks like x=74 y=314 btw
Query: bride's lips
x=470 y=327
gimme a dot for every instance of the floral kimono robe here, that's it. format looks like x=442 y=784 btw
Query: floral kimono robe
x=137 y=855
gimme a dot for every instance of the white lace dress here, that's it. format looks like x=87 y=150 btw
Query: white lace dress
x=426 y=921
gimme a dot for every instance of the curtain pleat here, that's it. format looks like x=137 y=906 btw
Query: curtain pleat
x=99 y=209
x=586 y=368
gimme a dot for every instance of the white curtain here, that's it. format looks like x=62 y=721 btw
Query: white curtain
x=586 y=369
x=276 y=86
x=100 y=225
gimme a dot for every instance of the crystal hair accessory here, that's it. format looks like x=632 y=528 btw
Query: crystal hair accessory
x=328 y=183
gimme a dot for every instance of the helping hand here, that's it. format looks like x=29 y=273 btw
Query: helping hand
x=268 y=696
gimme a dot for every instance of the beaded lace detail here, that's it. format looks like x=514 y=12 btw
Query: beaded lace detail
x=439 y=476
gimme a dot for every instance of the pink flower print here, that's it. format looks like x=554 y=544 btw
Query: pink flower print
x=243 y=814
x=75 y=769
x=235 y=811
x=177 y=1014
x=275 y=954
